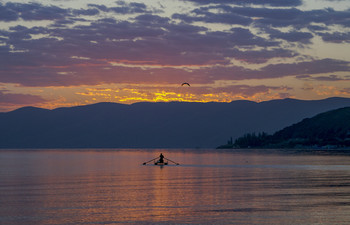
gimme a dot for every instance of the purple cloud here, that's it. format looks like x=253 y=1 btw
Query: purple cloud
x=7 y=14
x=293 y=36
x=208 y=17
x=331 y=77
x=90 y=74
x=275 y=17
x=19 y=99
x=123 y=8
x=336 y=37
x=35 y=11
x=278 y=70
x=285 y=3
x=261 y=56
x=86 y=12
x=157 y=47
x=150 y=38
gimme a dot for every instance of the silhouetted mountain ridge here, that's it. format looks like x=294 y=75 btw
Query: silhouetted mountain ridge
x=152 y=125
x=328 y=129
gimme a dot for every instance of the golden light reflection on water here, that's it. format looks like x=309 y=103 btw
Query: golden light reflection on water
x=209 y=187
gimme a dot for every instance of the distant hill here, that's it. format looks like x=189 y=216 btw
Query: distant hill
x=330 y=129
x=152 y=125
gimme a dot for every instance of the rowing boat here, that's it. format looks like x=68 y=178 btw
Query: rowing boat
x=161 y=163
x=157 y=162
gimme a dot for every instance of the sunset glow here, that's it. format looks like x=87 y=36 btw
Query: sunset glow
x=66 y=53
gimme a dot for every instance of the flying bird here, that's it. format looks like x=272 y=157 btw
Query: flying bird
x=186 y=84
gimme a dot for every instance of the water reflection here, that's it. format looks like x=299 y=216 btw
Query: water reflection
x=214 y=187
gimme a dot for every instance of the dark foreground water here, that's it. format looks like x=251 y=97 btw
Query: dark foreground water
x=209 y=187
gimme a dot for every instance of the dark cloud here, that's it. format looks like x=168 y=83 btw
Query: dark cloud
x=203 y=15
x=86 y=12
x=279 y=70
x=123 y=8
x=316 y=28
x=149 y=38
x=267 y=18
x=328 y=17
x=36 y=11
x=328 y=78
x=313 y=67
x=90 y=74
x=293 y=36
x=149 y=19
x=336 y=37
x=244 y=37
x=275 y=17
x=7 y=14
x=247 y=2
x=331 y=77
x=19 y=99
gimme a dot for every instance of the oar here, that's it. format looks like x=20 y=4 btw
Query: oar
x=150 y=161
x=172 y=161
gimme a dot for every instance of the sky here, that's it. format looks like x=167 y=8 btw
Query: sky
x=62 y=53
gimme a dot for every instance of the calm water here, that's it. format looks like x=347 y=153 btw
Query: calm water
x=209 y=187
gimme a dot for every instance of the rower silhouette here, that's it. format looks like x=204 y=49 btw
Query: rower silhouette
x=161 y=158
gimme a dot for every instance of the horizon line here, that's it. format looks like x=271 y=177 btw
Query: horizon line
x=164 y=102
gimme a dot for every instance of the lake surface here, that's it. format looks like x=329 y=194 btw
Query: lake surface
x=208 y=187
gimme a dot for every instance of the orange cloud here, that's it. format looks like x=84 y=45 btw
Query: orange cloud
x=137 y=93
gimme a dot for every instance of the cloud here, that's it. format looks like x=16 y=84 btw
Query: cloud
x=327 y=16
x=261 y=56
x=282 y=14
x=35 y=11
x=312 y=67
x=244 y=15
x=336 y=37
x=208 y=17
x=123 y=8
x=293 y=36
x=19 y=99
x=86 y=12
x=7 y=14
x=331 y=77
x=247 y=2
x=151 y=39
x=105 y=51
x=31 y=11
x=267 y=18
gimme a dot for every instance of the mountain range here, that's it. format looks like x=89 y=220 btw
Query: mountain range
x=153 y=125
